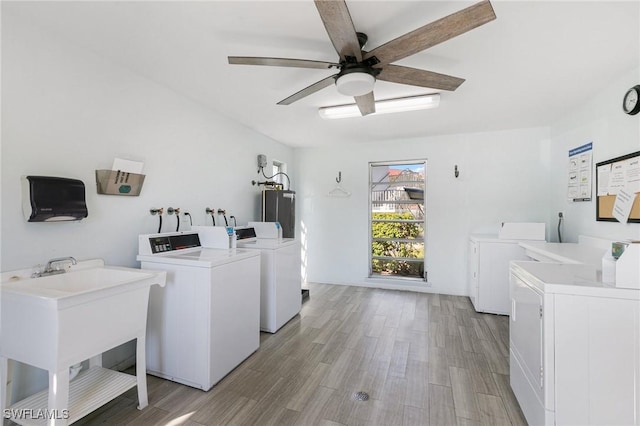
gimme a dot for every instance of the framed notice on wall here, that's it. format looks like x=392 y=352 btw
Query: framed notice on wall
x=618 y=183
x=580 y=161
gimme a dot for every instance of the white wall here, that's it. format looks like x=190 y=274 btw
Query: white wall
x=67 y=112
x=503 y=177
x=600 y=120
x=518 y=175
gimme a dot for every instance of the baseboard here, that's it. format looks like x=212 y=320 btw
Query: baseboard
x=395 y=285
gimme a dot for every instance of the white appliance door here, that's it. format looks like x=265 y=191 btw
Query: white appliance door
x=525 y=330
x=526 y=350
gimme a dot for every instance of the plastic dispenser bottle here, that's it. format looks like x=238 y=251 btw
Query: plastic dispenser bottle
x=233 y=238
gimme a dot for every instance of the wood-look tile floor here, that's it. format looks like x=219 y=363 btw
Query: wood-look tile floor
x=424 y=359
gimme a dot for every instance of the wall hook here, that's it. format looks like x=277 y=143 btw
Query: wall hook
x=339 y=178
x=456 y=173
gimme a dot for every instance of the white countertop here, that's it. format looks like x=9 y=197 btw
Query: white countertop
x=199 y=257
x=564 y=278
x=565 y=252
x=493 y=238
x=267 y=243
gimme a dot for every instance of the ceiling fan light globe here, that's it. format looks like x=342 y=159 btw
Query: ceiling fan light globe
x=355 y=83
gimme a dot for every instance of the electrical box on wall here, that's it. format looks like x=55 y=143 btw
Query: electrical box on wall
x=53 y=199
x=262 y=161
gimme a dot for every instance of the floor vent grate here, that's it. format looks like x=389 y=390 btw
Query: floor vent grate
x=361 y=396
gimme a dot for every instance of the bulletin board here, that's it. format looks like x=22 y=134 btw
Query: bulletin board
x=615 y=177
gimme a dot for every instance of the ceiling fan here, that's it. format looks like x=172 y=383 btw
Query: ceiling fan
x=359 y=69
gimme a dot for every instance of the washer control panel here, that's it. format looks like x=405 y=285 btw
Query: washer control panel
x=167 y=243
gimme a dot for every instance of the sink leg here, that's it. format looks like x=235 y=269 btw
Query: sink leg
x=95 y=361
x=58 y=397
x=5 y=386
x=141 y=372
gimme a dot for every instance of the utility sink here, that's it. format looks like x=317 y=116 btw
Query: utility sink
x=56 y=321
x=79 y=286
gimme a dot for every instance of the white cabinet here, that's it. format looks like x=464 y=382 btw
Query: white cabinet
x=488 y=272
x=574 y=346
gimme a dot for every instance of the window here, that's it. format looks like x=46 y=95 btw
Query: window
x=397 y=219
x=278 y=169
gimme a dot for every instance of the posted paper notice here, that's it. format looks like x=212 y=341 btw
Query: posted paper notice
x=127 y=166
x=622 y=206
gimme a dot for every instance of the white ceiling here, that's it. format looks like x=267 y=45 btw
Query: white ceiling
x=535 y=62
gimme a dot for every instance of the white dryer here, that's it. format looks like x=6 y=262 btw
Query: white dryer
x=206 y=320
x=280 y=279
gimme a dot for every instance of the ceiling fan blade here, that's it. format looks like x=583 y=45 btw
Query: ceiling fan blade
x=416 y=77
x=337 y=21
x=280 y=62
x=434 y=33
x=366 y=103
x=319 y=85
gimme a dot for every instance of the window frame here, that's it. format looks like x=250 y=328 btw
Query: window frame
x=277 y=168
x=423 y=222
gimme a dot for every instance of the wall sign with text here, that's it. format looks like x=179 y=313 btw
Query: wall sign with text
x=580 y=161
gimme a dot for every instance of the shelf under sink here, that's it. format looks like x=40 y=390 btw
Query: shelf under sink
x=90 y=390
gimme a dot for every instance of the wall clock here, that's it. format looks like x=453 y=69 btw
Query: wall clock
x=631 y=101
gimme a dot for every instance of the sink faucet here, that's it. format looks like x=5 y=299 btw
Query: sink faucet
x=48 y=269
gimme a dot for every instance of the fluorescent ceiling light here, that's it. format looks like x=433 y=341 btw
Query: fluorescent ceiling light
x=411 y=103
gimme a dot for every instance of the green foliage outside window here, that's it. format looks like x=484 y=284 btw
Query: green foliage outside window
x=395 y=248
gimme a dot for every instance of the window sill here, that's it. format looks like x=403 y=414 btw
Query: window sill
x=397 y=283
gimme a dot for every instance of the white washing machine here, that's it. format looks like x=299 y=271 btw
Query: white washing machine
x=280 y=279
x=206 y=320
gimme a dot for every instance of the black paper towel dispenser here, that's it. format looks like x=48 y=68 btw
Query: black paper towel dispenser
x=53 y=199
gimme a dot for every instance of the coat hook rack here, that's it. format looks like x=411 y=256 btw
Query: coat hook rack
x=339 y=178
